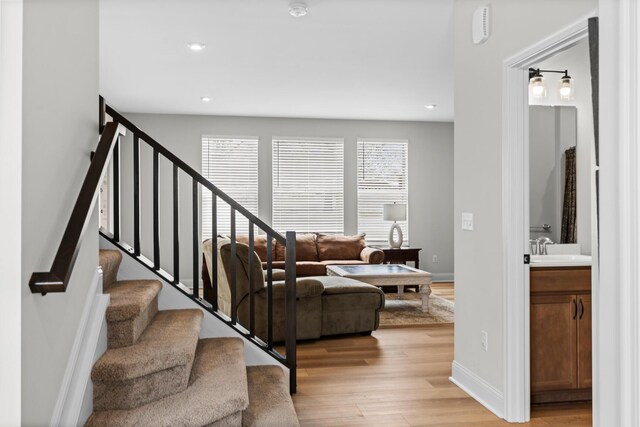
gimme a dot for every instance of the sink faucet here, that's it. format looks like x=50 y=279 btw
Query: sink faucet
x=542 y=243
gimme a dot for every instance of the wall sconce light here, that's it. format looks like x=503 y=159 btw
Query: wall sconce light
x=537 y=88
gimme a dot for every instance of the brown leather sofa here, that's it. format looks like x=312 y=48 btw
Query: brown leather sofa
x=325 y=305
x=315 y=251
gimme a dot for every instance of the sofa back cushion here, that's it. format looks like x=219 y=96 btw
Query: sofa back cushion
x=242 y=269
x=259 y=245
x=305 y=248
x=332 y=247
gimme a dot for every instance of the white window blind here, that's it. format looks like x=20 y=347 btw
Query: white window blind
x=231 y=164
x=383 y=177
x=308 y=185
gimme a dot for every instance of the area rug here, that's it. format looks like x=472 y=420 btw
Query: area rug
x=408 y=310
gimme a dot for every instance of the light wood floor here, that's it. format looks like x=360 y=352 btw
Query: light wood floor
x=398 y=377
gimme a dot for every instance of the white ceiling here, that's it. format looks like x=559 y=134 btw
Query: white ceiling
x=347 y=59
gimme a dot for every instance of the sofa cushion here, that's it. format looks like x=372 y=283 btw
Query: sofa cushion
x=303 y=268
x=308 y=268
x=334 y=285
x=343 y=262
x=259 y=244
x=307 y=287
x=306 y=249
x=339 y=247
x=242 y=268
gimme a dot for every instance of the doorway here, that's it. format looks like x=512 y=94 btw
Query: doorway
x=516 y=214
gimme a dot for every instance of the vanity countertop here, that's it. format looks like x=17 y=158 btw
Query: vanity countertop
x=560 y=260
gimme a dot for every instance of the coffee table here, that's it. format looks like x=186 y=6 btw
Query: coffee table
x=387 y=275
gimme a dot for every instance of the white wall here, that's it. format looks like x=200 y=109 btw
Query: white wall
x=515 y=25
x=576 y=60
x=430 y=175
x=10 y=214
x=59 y=129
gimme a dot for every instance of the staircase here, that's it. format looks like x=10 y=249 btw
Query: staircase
x=158 y=372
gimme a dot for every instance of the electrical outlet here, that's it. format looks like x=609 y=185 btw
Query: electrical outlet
x=484 y=340
x=435 y=259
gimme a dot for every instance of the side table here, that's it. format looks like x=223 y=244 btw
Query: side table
x=401 y=256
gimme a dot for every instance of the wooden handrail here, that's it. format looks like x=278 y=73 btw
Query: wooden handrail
x=192 y=172
x=57 y=279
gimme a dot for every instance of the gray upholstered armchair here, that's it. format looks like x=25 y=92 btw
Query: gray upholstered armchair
x=326 y=305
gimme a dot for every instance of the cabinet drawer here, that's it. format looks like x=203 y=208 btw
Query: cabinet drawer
x=560 y=279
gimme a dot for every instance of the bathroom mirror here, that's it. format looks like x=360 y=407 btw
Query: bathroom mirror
x=552 y=142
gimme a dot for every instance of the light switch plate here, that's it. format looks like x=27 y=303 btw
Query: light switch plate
x=467 y=221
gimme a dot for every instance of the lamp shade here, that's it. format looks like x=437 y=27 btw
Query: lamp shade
x=395 y=212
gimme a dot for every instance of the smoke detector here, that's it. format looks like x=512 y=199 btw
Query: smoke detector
x=297 y=9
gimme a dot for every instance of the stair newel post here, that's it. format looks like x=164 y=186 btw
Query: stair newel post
x=252 y=315
x=270 y=291
x=290 y=306
x=196 y=237
x=136 y=195
x=116 y=190
x=102 y=116
x=214 y=254
x=233 y=280
x=176 y=226
x=156 y=211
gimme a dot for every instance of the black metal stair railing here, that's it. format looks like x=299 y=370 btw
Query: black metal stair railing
x=109 y=151
x=207 y=300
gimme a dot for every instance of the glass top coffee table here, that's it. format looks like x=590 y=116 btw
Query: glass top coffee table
x=399 y=275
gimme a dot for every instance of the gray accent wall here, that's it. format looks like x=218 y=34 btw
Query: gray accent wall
x=430 y=176
x=478 y=104
x=59 y=130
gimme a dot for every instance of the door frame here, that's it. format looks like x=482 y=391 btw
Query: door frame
x=515 y=212
x=11 y=291
x=616 y=309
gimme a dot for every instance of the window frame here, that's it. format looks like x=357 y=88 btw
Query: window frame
x=274 y=171
x=381 y=240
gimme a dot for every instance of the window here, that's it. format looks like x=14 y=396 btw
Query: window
x=382 y=178
x=231 y=164
x=308 y=185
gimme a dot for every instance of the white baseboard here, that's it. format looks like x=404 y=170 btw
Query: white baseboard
x=479 y=389
x=78 y=372
x=442 y=277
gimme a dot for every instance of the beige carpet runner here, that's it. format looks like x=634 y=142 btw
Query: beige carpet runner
x=158 y=372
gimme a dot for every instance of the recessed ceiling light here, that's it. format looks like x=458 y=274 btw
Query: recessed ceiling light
x=430 y=106
x=196 y=47
x=297 y=9
x=205 y=99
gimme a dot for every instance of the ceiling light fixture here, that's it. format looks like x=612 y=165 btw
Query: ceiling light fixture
x=298 y=9
x=196 y=47
x=537 y=88
x=205 y=99
x=430 y=106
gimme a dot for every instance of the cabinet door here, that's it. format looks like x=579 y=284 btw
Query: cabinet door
x=553 y=343
x=584 y=341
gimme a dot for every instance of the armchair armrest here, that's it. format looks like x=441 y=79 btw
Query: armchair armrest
x=305 y=288
x=276 y=274
x=372 y=255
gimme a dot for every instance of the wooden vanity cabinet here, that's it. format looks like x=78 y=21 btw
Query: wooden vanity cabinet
x=560 y=334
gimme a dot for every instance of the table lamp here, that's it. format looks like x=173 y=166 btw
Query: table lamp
x=395 y=212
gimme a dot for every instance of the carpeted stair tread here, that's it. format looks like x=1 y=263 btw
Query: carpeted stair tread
x=217 y=391
x=170 y=340
x=110 y=261
x=129 y=298
x=270 y=404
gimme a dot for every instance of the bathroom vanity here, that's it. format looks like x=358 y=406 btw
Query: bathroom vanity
x=560 y=329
